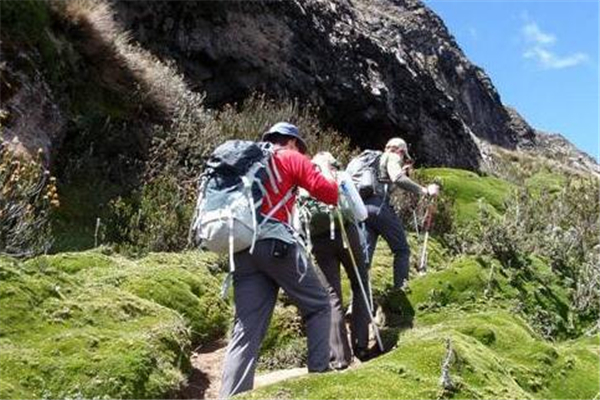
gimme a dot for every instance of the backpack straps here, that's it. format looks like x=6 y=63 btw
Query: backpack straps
x=331 y=223
x=195 y=219
x=229 y=276
x=280 y=204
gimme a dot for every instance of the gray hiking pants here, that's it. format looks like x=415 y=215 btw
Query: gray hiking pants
x=256 y=281
x=329 y=254
x=382 y=220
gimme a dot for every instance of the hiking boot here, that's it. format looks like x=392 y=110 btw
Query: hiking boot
x=328 y=369
x=338 y=366
x=362 y=353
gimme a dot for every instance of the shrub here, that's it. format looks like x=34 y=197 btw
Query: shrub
x=153 y=218
x=28 y=196
x=559 y=226
x=156 y=217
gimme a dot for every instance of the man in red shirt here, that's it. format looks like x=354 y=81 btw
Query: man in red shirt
x=278 y=260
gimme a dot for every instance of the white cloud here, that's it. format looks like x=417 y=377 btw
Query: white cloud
x=540 y=49
x=534 y=34
x=549 y=60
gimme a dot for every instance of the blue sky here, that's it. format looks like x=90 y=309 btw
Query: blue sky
x=542 y=56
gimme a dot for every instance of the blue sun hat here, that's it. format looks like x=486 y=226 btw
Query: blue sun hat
x=287 y=129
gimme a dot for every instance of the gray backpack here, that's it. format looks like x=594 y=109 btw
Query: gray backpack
x=364 y=171
x=227 y=218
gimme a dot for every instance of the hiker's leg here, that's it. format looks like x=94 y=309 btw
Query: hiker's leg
x=360 y=315
x=392 y=231
x=299 y=280
x=254 y=296
x=372 y=232
x=326 y=252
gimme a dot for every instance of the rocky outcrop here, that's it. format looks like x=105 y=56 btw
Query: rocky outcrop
x=375 y=68
x=29 y=115
x=553 y=146
x=556 y=147
x=525 y=133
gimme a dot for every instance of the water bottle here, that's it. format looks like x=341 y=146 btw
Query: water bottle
x=353 y=201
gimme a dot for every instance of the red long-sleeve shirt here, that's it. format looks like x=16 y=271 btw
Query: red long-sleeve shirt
x=297 y=170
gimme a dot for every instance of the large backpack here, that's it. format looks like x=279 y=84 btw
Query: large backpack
x=364 y=171
x=317 y=218
x=227 y=218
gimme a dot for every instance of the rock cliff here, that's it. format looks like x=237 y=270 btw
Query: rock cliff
x=375 y=68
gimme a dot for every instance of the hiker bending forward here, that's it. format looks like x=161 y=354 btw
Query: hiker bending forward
x=382 y=219
x=330 y=251
x=278 y=261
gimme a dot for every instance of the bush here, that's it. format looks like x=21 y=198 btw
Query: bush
x=156 y=217
x=28 y=197
x=153 y=218
x=560 y=227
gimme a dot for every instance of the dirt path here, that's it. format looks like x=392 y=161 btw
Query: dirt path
x=207 y=365
x=276 y=376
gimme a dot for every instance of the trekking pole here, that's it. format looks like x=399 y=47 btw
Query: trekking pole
x=362 y=232
x=416 y=222
x=360 y=282
x=426 y=226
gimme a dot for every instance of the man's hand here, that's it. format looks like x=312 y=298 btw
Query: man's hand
x=327 y=164
x=431 y=190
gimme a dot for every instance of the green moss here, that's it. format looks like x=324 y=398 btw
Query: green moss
x=465 y=280
x=575 y=371
x=546 y=181
x=515 y=364
x=533 y=291
x=183 y=283
x=470 y=191
x=92 y=343
x=93 y=325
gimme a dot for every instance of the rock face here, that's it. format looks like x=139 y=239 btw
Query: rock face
x=554 y=146
x=29 y=112
x=375 y=68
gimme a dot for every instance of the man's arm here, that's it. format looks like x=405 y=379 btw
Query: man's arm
x=309 y=178
x=399 y=178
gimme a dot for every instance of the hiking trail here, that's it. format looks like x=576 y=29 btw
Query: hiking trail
x=207 y=365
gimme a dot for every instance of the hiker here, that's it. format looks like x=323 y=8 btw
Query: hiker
x=391 y=172
x=329 y=251
x=277 y=260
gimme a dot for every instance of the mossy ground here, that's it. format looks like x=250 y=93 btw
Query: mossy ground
x=96 y=324
x=469 y=191
x=497 y=354
x=91 y=325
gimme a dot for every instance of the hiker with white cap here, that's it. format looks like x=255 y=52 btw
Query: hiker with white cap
x=382 y=219
x=377 y=174
x=277 y=260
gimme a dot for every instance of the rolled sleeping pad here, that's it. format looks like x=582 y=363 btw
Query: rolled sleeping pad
x=352 y=199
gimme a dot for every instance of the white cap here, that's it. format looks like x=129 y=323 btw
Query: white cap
x=399 y=143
